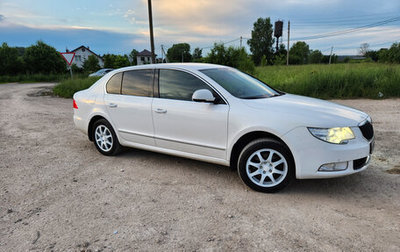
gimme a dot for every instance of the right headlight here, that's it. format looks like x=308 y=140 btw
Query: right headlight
x=338 y=135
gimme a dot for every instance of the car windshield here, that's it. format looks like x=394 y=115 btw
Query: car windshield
x=239 y=84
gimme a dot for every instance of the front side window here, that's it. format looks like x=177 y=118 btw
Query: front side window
x=179 y=85
x=114 y=84
x=240 y=84
x=138 y=82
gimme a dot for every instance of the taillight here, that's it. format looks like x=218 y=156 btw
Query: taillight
x=74 y=104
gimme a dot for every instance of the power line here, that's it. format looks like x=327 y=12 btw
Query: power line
x=337 y=33
x=343 y=18
x=224 y=43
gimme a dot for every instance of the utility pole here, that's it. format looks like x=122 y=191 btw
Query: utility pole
x=241 y=41
x=330 y=56
x=288 y=41
x=162 y=53
x=153 y=56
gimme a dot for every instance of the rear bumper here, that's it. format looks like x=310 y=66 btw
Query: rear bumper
x=311 y=153
x=80 y=124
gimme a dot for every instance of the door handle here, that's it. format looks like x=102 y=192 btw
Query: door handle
x=160 y=111
x=113 y=105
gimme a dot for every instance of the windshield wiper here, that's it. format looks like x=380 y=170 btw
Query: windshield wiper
x=260 y=96
x=255 y=97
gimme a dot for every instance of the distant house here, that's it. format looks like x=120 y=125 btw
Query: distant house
x=82 y=53
x=144 y=57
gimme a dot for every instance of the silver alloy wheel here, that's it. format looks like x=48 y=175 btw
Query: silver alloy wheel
x=103 y=138
x=266 y=167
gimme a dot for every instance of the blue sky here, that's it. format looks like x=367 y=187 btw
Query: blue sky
x=119 y=26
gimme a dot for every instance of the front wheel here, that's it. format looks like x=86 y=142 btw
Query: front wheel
x=105 y=139
x=266 y=165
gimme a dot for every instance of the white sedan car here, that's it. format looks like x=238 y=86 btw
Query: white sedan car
x=220 y=115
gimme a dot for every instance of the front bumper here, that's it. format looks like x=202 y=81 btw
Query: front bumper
x=311 y=153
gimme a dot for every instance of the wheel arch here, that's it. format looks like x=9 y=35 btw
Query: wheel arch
x=247 y=138
x=91 y=123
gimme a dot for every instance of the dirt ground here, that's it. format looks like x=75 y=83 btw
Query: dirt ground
x=58 y=193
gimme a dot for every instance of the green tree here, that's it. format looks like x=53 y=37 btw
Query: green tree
x=116 y=61
x=109 y=60
x=373 y=55
x=298 y=53
x=179 y=52
x=121 y=61
x=91 y=64
x=394 y=53
x=315 y=57
x=261 y=42
x=197 y=54
x=383 y=55
x=42 y=58
x=10 y=61
x=234 y=57
x=133 y=57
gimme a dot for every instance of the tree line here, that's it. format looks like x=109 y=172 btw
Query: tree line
x=44 y=59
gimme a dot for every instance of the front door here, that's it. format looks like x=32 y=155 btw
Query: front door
x=184 y=125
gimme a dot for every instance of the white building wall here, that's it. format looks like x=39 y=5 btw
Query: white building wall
x=82 y=54
x=141 y=60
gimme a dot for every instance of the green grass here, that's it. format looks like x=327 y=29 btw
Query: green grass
x=365 y=80
x=67 y=88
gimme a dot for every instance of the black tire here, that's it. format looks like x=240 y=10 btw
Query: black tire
x=282 y=173
x=106 y=149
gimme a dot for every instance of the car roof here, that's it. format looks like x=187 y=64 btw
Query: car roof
x=187 y=66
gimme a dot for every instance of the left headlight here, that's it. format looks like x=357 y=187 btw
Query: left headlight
x=339 y=135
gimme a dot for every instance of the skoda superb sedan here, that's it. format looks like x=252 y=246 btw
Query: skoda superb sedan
x=220 y=115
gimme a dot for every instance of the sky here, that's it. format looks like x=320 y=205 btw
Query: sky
x=119 y=26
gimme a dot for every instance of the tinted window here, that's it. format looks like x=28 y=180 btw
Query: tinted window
x=114 y=84
x=240 y=84
x=179 y=85
x=138 y=82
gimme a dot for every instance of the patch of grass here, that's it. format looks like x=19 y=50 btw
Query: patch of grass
x=365 y=80
x=67 y=88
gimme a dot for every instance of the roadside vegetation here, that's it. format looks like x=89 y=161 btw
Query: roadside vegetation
x=67 y=88
x=363 y=80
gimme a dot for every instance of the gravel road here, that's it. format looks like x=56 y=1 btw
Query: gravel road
x=58 y=193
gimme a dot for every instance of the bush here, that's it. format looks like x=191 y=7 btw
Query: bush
x=67 y=88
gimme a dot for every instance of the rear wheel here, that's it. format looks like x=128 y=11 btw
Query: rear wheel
x=266 y=165
x=105 y=139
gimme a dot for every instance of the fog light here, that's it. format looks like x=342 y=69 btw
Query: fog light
x=340 y=166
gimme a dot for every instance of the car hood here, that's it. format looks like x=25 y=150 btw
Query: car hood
x=309 y=112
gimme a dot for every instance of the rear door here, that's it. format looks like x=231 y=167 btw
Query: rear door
x=184 y=125
x=130 y=110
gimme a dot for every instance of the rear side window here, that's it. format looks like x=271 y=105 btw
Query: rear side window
x=114 y=84
x=179 y=85
x=138 y=82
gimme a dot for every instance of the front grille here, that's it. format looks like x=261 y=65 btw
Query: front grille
x=359 y=163
x=367 y=130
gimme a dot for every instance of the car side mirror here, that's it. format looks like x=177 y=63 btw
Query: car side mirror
x=203 y=95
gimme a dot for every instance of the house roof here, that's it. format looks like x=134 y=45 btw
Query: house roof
x=86 y=48
x=144 y=53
